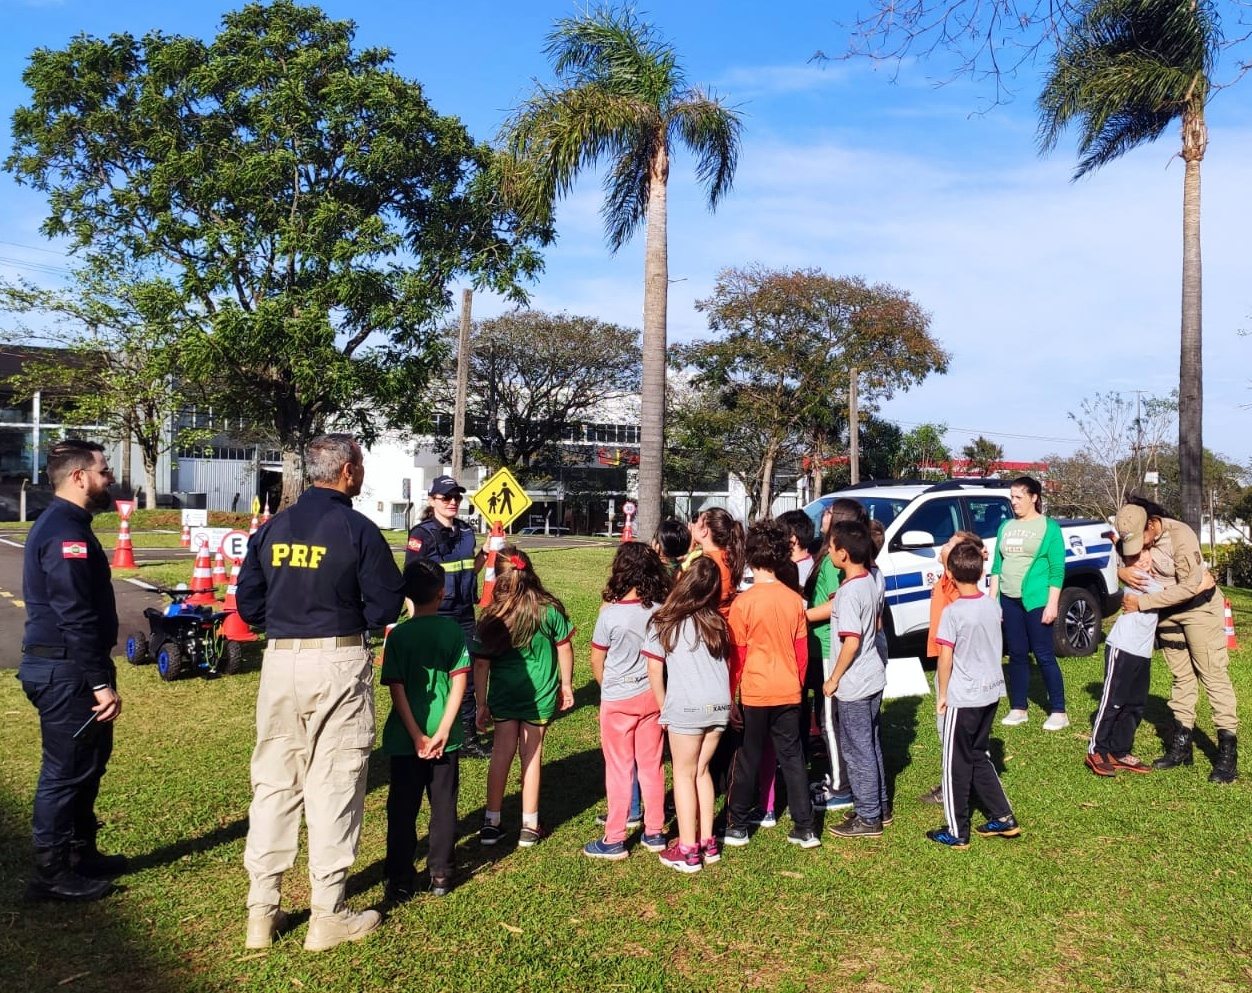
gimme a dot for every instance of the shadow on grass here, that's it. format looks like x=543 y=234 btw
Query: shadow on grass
x=49 y=945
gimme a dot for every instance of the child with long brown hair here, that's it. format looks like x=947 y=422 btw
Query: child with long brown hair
x=630 y=729
x=687 y=647
x=523 y=674
x=721 y=538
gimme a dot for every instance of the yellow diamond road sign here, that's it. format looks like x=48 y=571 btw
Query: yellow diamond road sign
x=501 y=499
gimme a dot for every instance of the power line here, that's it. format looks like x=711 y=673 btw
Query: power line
x=35 y=266
x=33 y=248
x=994 y=434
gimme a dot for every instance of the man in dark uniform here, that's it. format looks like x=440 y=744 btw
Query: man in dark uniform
x=317 y=578
x=68 y=674
x=442 y=537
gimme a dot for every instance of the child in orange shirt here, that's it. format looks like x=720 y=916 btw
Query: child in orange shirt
x=770 y=654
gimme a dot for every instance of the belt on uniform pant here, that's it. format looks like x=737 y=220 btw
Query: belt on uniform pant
x=297 y=644
x=45 y=651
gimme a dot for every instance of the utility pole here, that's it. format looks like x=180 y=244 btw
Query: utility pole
x=854 y=431
x=462 y=387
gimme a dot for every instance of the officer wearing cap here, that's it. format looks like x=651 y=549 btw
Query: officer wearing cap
x=442 y=537
x=67 y=672
x=318 y=577
x=1191 y=630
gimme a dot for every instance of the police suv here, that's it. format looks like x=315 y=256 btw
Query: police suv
x=920 y=517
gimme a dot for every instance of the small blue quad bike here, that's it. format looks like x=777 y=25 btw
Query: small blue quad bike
x=184 y=639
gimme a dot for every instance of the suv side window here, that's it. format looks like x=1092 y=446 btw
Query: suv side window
x=987 y=513
x=942 y=518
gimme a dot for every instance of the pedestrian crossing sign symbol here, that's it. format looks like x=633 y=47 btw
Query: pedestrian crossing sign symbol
x=501 y=499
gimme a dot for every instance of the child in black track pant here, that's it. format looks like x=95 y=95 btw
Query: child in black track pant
x=971 y=683
x=1127 y=670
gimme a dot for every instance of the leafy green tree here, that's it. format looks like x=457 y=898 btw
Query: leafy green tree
x=114 y=361
x=1123 y=72
x=984 y=455
x=533 y=376
x=305 y=204
x=622 y=97
x=923 y=453
x=785 y=347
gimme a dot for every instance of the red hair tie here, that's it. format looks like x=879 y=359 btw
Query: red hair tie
x=517 y=562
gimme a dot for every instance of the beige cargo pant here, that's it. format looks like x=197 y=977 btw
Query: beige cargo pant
x=315 y=729
x=1194 y=645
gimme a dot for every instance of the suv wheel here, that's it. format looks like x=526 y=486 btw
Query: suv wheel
x=1077 y=627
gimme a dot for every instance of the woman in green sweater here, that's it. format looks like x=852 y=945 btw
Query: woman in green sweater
x=1027 y=573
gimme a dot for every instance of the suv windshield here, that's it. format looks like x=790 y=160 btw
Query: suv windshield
x=880 y=508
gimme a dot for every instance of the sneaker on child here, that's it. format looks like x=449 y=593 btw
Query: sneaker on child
x=654 y=842
x=943 y=836
x=681 y=858
x=1000 y=827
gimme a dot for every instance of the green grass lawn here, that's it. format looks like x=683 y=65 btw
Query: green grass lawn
x=1137 y=883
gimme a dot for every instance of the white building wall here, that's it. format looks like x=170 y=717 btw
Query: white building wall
x=388 y=463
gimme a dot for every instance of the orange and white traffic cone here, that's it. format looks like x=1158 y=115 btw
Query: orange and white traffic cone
x=202 y=577
x=254 y=526
x=234 y=627
x=124 y=553
x=265 y=514
x=219 y=570
x=1229 y=616
x=495 y=542
x=184 y=539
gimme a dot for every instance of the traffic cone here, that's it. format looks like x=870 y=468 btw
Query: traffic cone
x=265 y=513
x=219 y=570
x=124 y=553
x=1228 y=614
x=184 y=540
x=495 y=542
x=254 y=526
x=382 y=651
x=234 y=627
x=202 y=577
x=628 y=532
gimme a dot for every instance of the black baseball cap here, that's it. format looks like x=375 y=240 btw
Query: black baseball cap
x=445 y=486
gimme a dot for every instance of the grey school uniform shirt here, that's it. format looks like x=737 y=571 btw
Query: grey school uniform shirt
x=858 y=604
x=970 y=626
x=620 y=630
x=1135 y=633
x=697 y=683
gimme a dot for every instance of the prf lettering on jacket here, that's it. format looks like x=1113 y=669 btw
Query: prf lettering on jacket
x=297 y=556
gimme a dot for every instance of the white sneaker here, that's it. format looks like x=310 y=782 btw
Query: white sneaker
x=263 y=927
x=1056 y=721
x=329 y=930
x=1013 y=718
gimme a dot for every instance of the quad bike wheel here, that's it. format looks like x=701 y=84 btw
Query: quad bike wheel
x=137 y=649
x=230 y=657
x=171 y=662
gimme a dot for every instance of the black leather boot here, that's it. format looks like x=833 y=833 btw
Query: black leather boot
x=55 y=880
x=87 y=860
x=1226 y=768
x=1179 y=751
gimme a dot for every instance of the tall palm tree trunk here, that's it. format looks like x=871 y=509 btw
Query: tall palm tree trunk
x=1191 y=364
x=655 y=303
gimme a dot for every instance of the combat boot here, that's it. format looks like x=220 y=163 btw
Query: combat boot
x=87 y=860
x=1179 y=751
x=1226 y=768
x=55 y=880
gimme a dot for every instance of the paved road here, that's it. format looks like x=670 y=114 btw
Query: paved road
x=131 y=601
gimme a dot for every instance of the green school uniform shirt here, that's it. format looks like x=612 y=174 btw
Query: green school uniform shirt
x=525 y=682
x=423 y=654
x=824 y=587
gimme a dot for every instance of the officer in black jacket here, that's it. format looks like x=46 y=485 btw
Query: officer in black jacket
x=67 y=672
x=317 y=578
x=442 y=537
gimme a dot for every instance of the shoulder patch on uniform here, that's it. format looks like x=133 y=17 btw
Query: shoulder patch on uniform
x=415 y=544
x=73 y=549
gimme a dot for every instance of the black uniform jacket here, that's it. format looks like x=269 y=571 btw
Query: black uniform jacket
x=319 y=569
x=68 y=589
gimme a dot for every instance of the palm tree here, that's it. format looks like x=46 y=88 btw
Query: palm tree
x=1125 y=72
x=623 y=97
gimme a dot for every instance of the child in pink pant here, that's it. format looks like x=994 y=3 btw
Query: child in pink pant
x=630 y=733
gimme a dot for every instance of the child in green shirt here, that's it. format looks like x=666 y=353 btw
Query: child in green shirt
x=426 y=667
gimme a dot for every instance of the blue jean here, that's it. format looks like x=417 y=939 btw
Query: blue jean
x=1024 y=633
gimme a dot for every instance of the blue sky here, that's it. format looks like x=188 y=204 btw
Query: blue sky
x=1045 y=291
